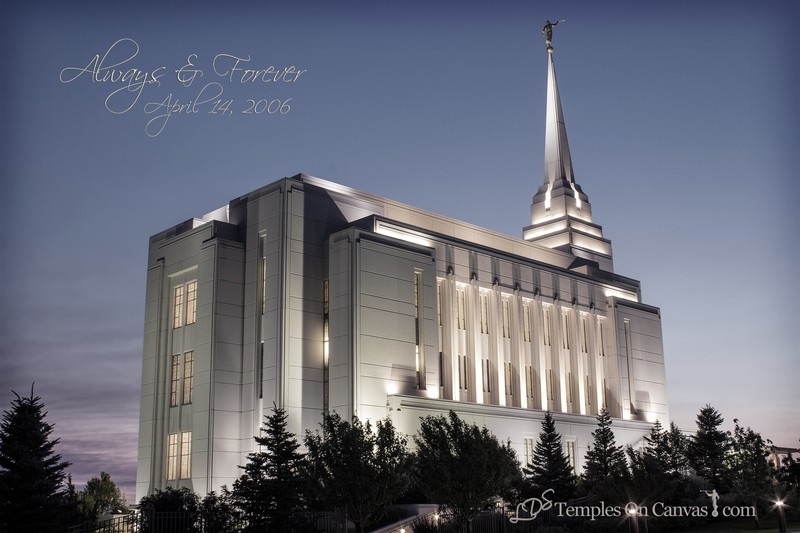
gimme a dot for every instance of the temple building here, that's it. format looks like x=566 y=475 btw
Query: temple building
x=317 y=298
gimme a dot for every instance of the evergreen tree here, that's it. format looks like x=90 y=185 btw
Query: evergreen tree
x=31 y=473
x=270 y=490
x=462 y=467
x=653 y=476
x=708 y=448
x=350 y=467
x=751 y=473
x=605 y=469
x=676 y=445
x=550 y=467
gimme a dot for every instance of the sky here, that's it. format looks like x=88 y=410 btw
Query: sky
x=683 y=124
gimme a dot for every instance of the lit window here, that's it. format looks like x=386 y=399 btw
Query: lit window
x=569 y=451
x=484 y=313
x=188 y=377
x=509 y=379
x=177 y=318
x=526 y=322
x=529 y=382
x=172 y=457
x=530 y=445
x=439 y=303
x=546 y=325
x=463 y=383
x=186 y=455
x=191 y=302
x=262 y=273
x=584 y=336
x=506 y=320
x=462 y=309
x=175 y=380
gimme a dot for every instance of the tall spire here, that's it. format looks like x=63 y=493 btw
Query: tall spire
x=557 y=160
x=561 y=216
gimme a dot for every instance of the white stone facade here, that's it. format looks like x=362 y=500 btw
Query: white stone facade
x=318 y=297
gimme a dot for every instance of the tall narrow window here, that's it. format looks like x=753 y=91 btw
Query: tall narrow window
x=506 y=320
x=605 y=405
x=419 y=362
x=601 y=348
x=172 y=457
x=484 y=313
x=439 y=303
x=186 y=455
x=441 y=369
x=546 y=329
x=463 y=372
x=569 y=387
x=565 y=331
x=326 y=308
x=526 y=326
x=584 y=336
x=588 y=391
x=487 y=378
x=529 y=382
x=175 y=378
x=188 y=377
x=260 y=370
x=262 y=274
x=177 y=315
x=530 y=445
x=509 y=378
x=550 y=385
x=569 y=451
x=191 y=302
x=462 y=309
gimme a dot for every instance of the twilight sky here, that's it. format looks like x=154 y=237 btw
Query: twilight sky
x=683 y=122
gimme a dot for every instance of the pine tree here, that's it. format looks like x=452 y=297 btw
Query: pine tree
x=605 y=468
x=550 y=467
x=676 y=445
x=708 y=447
x=31 y=473
x=270 y=490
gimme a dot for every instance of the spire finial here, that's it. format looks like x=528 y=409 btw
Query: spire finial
x=547 y=31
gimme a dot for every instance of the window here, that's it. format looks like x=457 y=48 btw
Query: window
x=184 y=304
x=530 y=446
x=172 y=456
x=484 y=313
x=191 y=302
x=529 y=382
x=550 y=384
x=584 y=336
x=588 y=391
x=186 y=455
x=526 y=322
x=175 y=380
x=462 y=309
x=506 y=320
x=509 y=378
x=177 y=318
x=439 y=303
x=569 y=387
x=604 y=394
x=188 y=377
x=262 y=273
x=441 y=369
x=546 y=325
x=179 y=456
x=463 y=383
x=601 y=337
x=565 y=331
x=487 y=379
x=569 y=451
x=419 y=363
